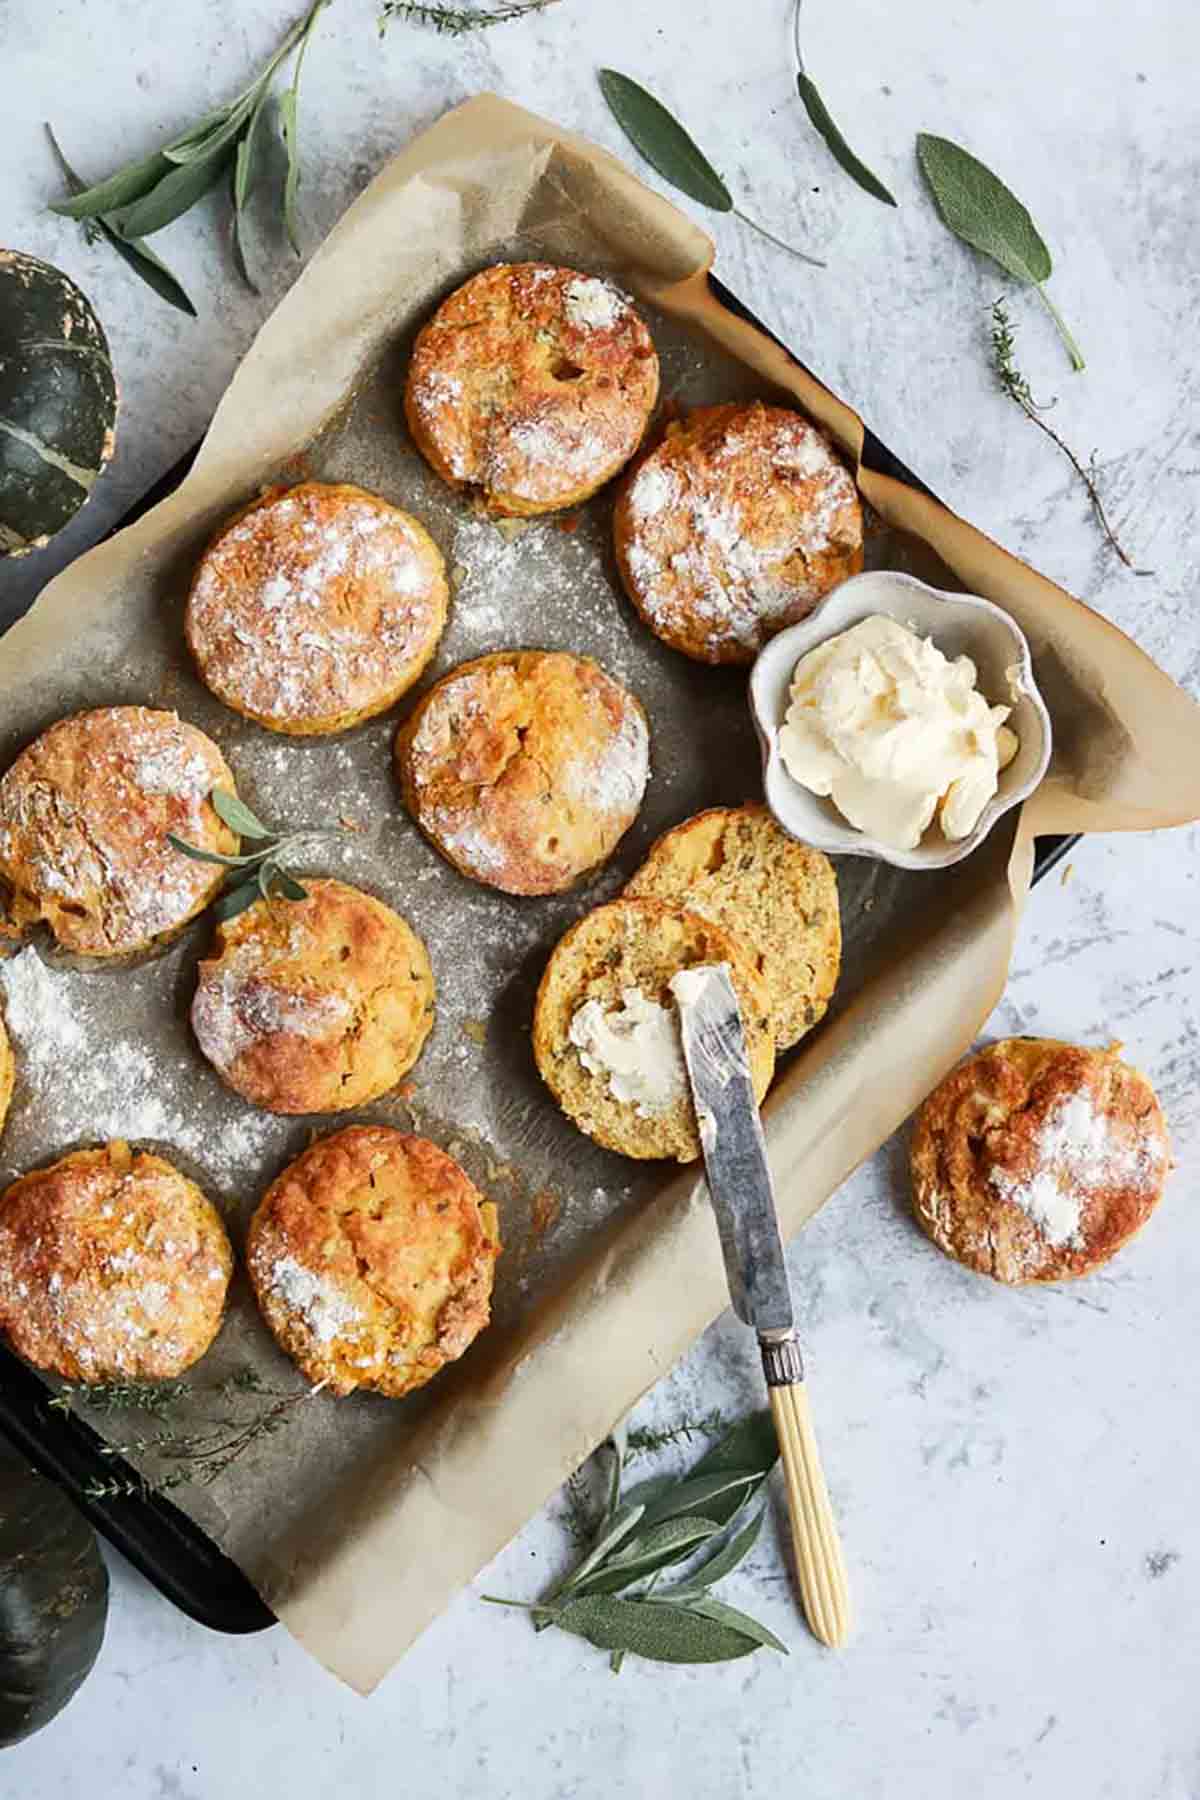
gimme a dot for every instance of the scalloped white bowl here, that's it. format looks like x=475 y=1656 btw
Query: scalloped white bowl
x=959 y=624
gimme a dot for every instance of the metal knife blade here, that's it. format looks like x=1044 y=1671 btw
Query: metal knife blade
x=735 y=1153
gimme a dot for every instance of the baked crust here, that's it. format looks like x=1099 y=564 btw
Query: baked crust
x=84 y=815
x=1035 y=1160
x=734 y=526
x=113 y=1266
x=532 y=386
x=638 y=943
x=372 y=1258
x=314 y=1005
x=316 y=607
x=7 y=1073
x=736 y=866
x=525 y=768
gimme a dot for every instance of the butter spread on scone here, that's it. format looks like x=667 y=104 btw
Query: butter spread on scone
x=372 y=1259
x=532 y=386
x=316 y=607
x=635 y=1047
x=84 y=815
x=314 y=1005
x=734 y=526
x=1035 y=1160
x=113 y=1265
x=525 y=768
x=893 y=732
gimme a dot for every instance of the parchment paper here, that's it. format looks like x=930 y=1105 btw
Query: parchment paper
x=360 y=1520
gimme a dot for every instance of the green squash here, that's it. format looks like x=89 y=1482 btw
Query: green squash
x=58 y=401
x=53 y=1599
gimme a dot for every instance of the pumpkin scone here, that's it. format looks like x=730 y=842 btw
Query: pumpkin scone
x=736 y=866
x=606 y=1033
x=316 y=607
x=525 y=768
x=1035 y=1160
x=113 y=1266
x=734 y=526
x=84 y=815
x=7 y=1072
x=372 y=1259
x=314 y=1005
x=531 y=386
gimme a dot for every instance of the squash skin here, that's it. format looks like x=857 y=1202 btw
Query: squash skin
x=58 y=401
x=53 y=1599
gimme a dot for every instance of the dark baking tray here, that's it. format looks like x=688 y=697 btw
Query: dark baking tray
x=167 y=1546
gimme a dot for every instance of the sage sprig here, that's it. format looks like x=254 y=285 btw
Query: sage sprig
x=147 y=195
x=822 y=120
x=254 y=874
x=655 y=1526
x=667 y=147
x=134 y=251
x=455 y=21
x=979 y=209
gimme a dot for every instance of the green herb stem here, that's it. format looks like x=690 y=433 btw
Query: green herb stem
x=780 y=244
x=1073 y=350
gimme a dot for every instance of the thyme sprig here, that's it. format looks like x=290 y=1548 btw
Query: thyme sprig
x=1014 y=384
x=455 y=21
x=262 y=876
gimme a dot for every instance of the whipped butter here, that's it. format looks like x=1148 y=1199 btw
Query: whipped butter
x=636 y=1047
x=893 y=731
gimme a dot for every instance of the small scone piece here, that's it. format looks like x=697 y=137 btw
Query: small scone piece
x=316 y=607
x=735 y=865
x=734 y=526
x=1036 y=1160
x=525 y=768
x=372 y=1258
x=608 y=980
x=532 y=386
x=314 y=1005
x=7 y=1072
x=113 y=1266
x=84 y=816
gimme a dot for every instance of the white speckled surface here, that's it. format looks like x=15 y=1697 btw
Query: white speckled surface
x=1016 y=1472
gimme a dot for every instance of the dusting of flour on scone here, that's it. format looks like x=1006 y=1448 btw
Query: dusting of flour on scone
x=1036 y=1160
x=531 y=386
x=733 y=527
x=372 y=1259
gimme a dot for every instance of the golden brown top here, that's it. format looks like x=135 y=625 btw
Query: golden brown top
x=525 y=767
x=112 y=1264
x=372 y=1258
x=7 y=1072
x=316 y=606
x=314 y=1005
x=1035 y=1160
x=734 y=526
x=533 y=384
x=84 y=816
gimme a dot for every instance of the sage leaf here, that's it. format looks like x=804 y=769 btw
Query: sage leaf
x=126 y=185
x=978 y=208
x=182 y=149
x=287 y=121
x=211 y=856
x=721 y=1563
x=822 y=120
x=235 y=900
x=663 y=141
x=247 y=158
x=237 y=815
x=736 y=1619
x=171 y=197
x=644 y=1555
x=667 y=147
x=751 y=1444
x=699 y=1493
x=139 y=256
x=281 y=885
x=655 y=1629
x=614 y=1533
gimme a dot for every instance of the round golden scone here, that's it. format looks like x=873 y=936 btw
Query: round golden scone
x=622 y=955
x=84 y=816
x=734 y=526
x=525 y=768
x=1036 y=1160
x=735 y=865
x=7 y=1072
x=372 y=1258
x=314 y=1005
x=113 y=1266
x=316 y=607
x=532 y=386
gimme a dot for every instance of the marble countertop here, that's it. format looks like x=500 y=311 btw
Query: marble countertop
x=1014 y=1470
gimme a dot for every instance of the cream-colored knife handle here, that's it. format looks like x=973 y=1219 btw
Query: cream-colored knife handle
x=814 y=1530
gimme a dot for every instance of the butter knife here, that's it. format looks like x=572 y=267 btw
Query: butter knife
x=743 y=1199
